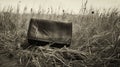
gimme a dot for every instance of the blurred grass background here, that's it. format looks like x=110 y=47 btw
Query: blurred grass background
x=95 y=34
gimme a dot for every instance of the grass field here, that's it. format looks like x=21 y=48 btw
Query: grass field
x=95 y=40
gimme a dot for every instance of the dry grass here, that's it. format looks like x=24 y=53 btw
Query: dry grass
x=95 y=41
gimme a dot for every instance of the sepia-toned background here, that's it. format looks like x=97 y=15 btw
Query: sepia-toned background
x=68 y=5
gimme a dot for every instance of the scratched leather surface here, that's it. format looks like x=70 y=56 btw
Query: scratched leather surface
x=51 y=31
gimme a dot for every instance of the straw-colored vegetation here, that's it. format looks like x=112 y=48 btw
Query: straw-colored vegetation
x=95 y=40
